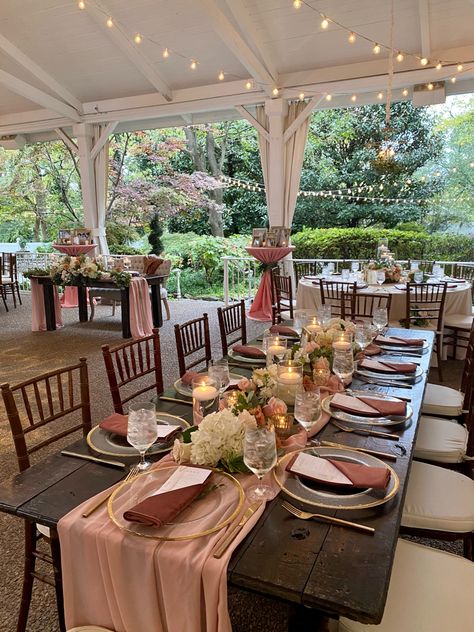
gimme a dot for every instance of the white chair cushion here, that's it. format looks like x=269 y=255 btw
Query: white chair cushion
x=438 y=499
x=442 y=440
x=442 y=400
x=458 y=320
x=430 y=591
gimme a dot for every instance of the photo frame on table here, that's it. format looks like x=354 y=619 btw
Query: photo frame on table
x=272 y=238
x=283 y=235
x=82 y=236
x=65 y=236
x=259 y=237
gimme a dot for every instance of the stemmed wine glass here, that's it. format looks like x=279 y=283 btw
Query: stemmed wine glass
x=324 y=315
x=307 y=408
x=142 y=430
x=260 y=457
x=380 y=318
x=380 y=277
x=363 y=336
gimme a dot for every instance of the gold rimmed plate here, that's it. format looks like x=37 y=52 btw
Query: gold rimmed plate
x=399 y=377
x=352 y=418
x=240 y=358
x=312 y=494
x=187 y=389
x=218 y=505
x=114 y=445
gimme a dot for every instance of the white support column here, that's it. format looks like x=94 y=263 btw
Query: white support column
x=94 y=174
x=276 y=110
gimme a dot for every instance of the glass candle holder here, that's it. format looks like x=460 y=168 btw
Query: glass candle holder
x=231 y=398
x=313 y=326
x=205 y=397
x=289 y=380
x=283 y=425
x=274 y=346
x=342 y=341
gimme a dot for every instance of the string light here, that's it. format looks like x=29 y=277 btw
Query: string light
x=110 y=22
x=193 y=64
x=376 y=49
x=248 y=85
x=353 y=98
x=221 y=76
x=439 y=65
x=400 y=56
x=301 y=96
x=81 y=4
x=324 y=23
x=166 y=53
x=275 y=92
x=380 y=95
x=424 y=61
x=297 y=4
x=352 y=37
x=138 y=38
x=430 y=86
x=459 y=67
x=405 y=92
x=328 y=97
x=453 y=79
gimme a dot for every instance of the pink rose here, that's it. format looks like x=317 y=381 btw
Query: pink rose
x=321 y=364
x=310 y=347
x=246 y=385
x=274 y=406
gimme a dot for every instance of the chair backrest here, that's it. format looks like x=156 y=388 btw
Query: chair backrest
x=465 y=271
x=282 y=295
x=191 y=338
x=467 y=379
x=365 y=304
x=425 y=304
x=128 y=364
x=232 y=325
x=41 y=401
x=340 y=295
x=302 y=268
x=8 y=266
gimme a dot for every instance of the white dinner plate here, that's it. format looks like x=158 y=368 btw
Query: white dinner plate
x=409 y=349
x=378 y=375
x=187 y=389
x=351 y=418
x=239 y=358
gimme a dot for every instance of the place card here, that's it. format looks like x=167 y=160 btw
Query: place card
x=318 y=469
x=184 y=476
x=164 y=431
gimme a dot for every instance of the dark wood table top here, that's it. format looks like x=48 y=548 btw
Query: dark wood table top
x=336 y=570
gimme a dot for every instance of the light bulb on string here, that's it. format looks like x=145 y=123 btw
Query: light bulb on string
x=275 y=92
x=248 y=85
x=453 y=79
x=459 y=67
x=110 y=22
x=439 y=65
x=324 y=23
x=221 y=76
x=380 y=96
x=353 y=98
x=193 y=64
x=430 y=86
x=81 y=4
x=405 y=92
x=376 y=49
x=301 y=96
x=352 y=37
x=424 y=61
x=328 y=97
x=297 y=4
x=166 y=53
x=138 y=38
x=400 y=56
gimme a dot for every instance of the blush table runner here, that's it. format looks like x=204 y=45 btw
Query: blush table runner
x=132 y=584
x=38 y=316
x=141 y=320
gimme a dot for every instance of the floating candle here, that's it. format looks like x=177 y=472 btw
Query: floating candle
x=204 y=393
x=276 y=350
x=290 y=377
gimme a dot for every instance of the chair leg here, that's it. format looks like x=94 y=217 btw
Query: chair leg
x=29 y=567
x=455 y=343
x=13 y=295
x=439 y=355
x=4 y=297
x=468 y=546
x=17 y=287
x=167 y=308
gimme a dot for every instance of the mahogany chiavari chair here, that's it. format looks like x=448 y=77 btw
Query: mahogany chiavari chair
x=425 y=309
x=9 y=274
x=283 y=304
x=365 y=304
x=302 y=268
x=458 y=326
x=41 y=411
x=340 y=295
x=129 y=364
x=232 y=325
x=191 y=338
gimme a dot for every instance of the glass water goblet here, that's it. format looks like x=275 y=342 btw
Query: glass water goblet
x=380 y=318
x=307 y=408
x=219 y=371
x=343 y=365
x=418 y=276
x=142 y=430
x=363 y=336
x=380 y=277
x=324 y=315
x=260 y=457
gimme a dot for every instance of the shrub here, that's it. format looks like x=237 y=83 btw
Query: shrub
x=361 y=243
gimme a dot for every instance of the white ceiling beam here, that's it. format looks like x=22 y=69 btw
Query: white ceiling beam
x=234 y=41
x=103 y=138
x=18 y=86
x=17 y=55
x=122 y=41
x=250 y=33
x=425 y=31
x=67 y=140
x=253 y=122
x=302 y=116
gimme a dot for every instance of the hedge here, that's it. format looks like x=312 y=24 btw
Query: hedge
x=361 y=243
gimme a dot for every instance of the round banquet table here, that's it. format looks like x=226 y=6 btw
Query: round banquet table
x=69 y=296
x=458 y=299
x=262 y=303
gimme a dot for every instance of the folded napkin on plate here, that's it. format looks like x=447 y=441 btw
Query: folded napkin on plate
x=372 y=350
x=328 y=472
x=387 y=367
x=368 y=406
x=248 y=352
x=399 y=342
x=284 y=331
x=188 y=377
x=159 y=509
x=115 y=423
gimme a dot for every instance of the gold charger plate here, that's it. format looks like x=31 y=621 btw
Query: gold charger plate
x=188 y=525
x=311 y=494
x=114 y=445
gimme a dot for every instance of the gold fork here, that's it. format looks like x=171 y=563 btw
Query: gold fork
x=365 y=432
x=305 y=515
x=132 y=473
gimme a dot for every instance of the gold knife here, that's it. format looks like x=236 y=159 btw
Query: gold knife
x=382 y=455
x=89 y=457
x=235 y=530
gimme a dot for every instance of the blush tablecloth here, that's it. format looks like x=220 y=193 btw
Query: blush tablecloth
x=262 y=303
x=141 y=319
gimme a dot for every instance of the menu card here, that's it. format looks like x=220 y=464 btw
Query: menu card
x=184 y=476
x=318 y=469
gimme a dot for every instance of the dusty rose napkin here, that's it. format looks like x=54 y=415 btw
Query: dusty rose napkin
x=188 y=377
x=368 y=406
x=249 y=352
x=398 y=342
x=372 y=350
x=387 y=367
x=159 y=509
x=282 y=330
x=115 y=423
x=385 y=406
x=361 y=476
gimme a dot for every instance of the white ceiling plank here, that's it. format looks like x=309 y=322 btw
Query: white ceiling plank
x=17 y=55
x=253 y=122
x=129 y=48
x=247 y=27
x=67 y=140
x=302 y=116
x=37 y=96
x=234 y=41
x=425 y=31
x=104 y=137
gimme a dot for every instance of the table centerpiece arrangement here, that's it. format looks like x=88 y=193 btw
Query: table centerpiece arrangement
x=393 y=271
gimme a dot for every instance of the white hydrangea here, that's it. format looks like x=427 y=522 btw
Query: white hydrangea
x=220 y=436
x=266 y=380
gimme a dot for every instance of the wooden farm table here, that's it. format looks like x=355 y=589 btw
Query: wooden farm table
x=315 y=567
x=153 y=280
